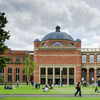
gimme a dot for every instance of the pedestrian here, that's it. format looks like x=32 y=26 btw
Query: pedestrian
x=32 y=83
x=27 y=83
x=78 y=87
x=17 y=83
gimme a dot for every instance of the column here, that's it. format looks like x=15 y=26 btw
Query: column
x=95 y=75
x=46 y=75
x=74 y=75
x=60 y=75
x=13 y=74
x=53 y=75
x=6 y=74
x=67 y=76
x=87 y=75
x=39 y=75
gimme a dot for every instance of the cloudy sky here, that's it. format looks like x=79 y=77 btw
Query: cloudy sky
x=31 y=19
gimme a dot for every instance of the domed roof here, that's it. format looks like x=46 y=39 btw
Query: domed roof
x=57 y=35
x=36 y=40
x=78 y=40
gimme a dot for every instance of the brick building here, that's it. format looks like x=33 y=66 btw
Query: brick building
x=59 y=58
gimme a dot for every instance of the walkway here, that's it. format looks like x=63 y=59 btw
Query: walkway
x=43 y=95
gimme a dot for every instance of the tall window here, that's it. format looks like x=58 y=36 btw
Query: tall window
x=98 y=58
x=17 y=58
x=2 y=72
x=43 y=71
x=17 y=74
x=91 y=58
x=83 y=58
x=11 y=59
x=9 y=74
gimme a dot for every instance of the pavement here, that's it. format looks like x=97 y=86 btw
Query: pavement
x=43 y=95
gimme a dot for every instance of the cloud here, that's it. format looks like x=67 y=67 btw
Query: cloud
x=31 y=19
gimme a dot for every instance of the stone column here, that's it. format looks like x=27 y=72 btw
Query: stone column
x=13 y=74
x=53 y=75
x=60 y=75
x=67 y=76
x=6 y=74
x=95 y=75
x=74 y=75
x=46 y=75
x=87 y=75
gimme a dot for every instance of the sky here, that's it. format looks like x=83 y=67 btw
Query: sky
x=31 y=19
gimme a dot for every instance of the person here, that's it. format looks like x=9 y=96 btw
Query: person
x=32 y=83
x=78 y=87
x=46 y=88
x=96 y=90
x=27 y=83
x=17 y=83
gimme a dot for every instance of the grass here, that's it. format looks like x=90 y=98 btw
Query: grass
x=23 y=89
x=50 y=98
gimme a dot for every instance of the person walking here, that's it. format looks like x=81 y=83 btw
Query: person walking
x=78 y=87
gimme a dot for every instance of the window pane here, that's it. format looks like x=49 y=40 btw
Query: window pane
x=17 y=77
x=17 y=70
x=17 y=58
x=91 y=58
x=10 y=78
x=43 y=72
x=9 y=70
x=98 y=58
x=83 y=58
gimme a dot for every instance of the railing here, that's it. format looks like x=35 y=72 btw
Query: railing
x=90 y=49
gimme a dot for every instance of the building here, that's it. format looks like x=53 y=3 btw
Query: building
x=59 y=58
x=14 y=69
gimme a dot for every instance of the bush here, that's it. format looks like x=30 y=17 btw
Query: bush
x=1 y=80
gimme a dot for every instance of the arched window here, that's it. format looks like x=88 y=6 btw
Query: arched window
x=44 y=45
x=70 y=44
x=57 y=44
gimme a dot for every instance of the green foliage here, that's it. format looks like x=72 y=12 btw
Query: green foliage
x=2 y=80
x=4 y=35
x=29 y=66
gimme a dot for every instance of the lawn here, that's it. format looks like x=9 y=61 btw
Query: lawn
x=50 y=98
x=23 y=89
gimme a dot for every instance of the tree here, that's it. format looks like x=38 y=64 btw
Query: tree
x=28 y=66
x=4 y=35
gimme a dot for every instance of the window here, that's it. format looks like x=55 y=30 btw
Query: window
x=24 y=78
x=9 y=74
x=91 y=58
x=44 y=45
x=11 y=52
x=83 y=58
x=9 y=70
x=25 y=52
x=57 y=71
x=98 y=58
x=70 y=44
x=17 y=77
x=57 y=44
x=43 y=71
x=18 y=70
x=2 y=70
x=50 y=70
x=17 y=58
x=24 y=58
x=9 y=78
x=11 y=58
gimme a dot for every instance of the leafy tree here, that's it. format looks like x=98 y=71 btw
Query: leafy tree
x=28 y=66
x=4 y=35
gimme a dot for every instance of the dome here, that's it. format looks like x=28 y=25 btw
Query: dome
x=36 y=40
x=57 y=35
x=78 y=40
